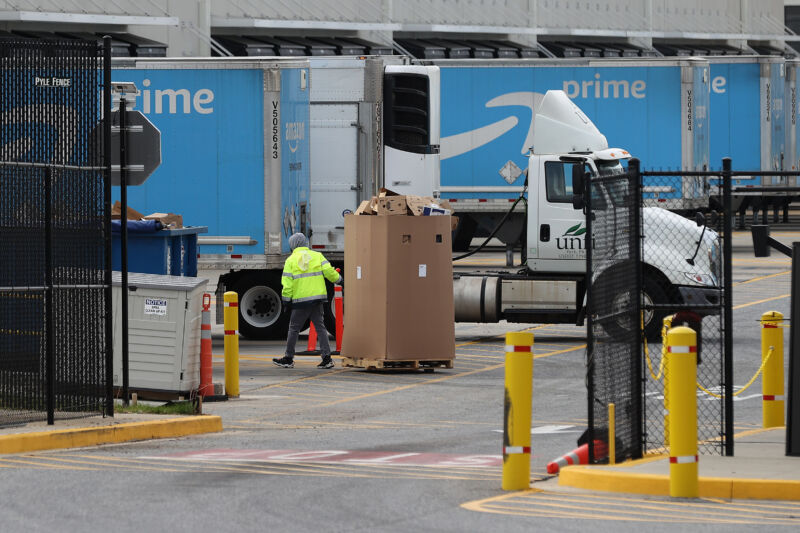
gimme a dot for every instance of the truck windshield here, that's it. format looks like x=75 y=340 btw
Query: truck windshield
x=609 y=168
x=611 y=190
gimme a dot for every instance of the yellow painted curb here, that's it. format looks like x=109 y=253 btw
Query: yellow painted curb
x=603 y=479
x=79 y=437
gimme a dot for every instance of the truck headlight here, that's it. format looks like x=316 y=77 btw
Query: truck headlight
x=714 y=259
x=701 y=279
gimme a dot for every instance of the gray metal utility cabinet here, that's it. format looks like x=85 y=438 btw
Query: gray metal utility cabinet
x=164 y=333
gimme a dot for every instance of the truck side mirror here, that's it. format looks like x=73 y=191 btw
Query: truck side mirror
x=699 y=219
x=578 y=185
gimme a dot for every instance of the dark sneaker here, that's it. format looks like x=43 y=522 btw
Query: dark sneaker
x=327 y=362
x=283 y=362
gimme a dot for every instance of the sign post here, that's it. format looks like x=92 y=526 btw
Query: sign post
x=139 y=156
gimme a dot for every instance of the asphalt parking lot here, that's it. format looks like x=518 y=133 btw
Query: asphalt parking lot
x=345 y=449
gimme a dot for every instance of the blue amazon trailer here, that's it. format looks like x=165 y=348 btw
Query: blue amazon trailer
x=750 y=124
x=235 y=158
x=236 y=136
x=657 y=109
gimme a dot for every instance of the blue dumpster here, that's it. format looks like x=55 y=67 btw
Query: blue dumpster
x=171 y=252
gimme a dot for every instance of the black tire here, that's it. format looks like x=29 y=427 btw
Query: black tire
x=260 y=307
x=653 y=293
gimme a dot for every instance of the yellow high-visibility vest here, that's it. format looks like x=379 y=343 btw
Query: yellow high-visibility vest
x=304 y=274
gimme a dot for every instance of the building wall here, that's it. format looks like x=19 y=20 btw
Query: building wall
x=187 y=25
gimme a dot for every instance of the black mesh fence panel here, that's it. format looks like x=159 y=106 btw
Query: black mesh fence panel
x=614 y=343
x=54 y=291
x=694 y=247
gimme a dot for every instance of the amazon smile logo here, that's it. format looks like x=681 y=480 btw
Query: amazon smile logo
x=462 y=143
x=295 y=132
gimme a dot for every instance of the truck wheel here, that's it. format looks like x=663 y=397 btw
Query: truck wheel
x=260 y=307
x=652 y=293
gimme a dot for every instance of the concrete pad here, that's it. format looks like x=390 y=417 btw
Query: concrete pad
x=758 y=470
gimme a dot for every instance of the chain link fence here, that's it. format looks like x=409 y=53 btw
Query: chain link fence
x=614 y=365
x=693 y=294
x=653 y=269
x=55 y=290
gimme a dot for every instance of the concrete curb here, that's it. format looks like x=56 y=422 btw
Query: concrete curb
x=126 y=432
x=605 y=480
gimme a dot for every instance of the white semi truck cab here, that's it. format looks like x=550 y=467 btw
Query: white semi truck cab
x=680 y=259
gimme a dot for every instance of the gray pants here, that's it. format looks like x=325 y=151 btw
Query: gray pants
x=298 y=319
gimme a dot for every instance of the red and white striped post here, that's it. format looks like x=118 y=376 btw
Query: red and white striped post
x=206 y=364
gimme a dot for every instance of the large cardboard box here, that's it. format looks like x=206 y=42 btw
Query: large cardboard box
x=398 y=288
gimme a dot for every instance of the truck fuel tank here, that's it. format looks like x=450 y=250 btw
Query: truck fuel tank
x=476 y=298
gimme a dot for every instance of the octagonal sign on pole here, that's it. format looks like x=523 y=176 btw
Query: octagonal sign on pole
x=143 y=147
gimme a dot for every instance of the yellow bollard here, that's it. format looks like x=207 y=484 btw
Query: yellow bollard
x=772 y=379
x=517 y=410
x=665 y=375
x=682 y=354
x=612 y=437
x=231 y=325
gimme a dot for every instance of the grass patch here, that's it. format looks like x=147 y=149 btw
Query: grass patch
x=170 y=408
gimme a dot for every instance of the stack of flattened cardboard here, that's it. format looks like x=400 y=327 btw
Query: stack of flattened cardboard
x=399 y=281
x=168 y=220
x=390 y=203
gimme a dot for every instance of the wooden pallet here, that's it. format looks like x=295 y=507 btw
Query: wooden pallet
x=390 y=364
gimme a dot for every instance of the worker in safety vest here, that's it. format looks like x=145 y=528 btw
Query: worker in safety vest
x=304 y=294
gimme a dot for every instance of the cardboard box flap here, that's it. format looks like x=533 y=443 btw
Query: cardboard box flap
x=116 y=212
x=365 y=208
x=417 y=203
x=384 y=192
x=168 y=220
x=392 y=205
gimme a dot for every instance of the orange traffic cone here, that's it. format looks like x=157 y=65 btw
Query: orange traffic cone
x=312 y=338
x=206 y=368
x=579 y=456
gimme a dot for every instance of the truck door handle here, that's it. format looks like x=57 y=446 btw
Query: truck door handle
x=544 y=233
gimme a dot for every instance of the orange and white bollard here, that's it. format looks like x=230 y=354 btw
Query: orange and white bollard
x=206 y=364
x=338 y=307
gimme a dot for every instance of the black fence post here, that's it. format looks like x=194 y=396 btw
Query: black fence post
x=50 y=372
x=109 y=340
x=793 y=397
x=123 y=196
x=727 y=287
x=637 y=362
x=587 y=195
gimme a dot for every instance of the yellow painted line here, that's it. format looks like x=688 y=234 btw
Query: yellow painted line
x=437 y=380
x=538 y=503
x=298 y=380
x=761 y=278
x=10 y=462
x=765 y=300
x=760 y=261
x=690 y=511
x=420 y=383
x=93 y=436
